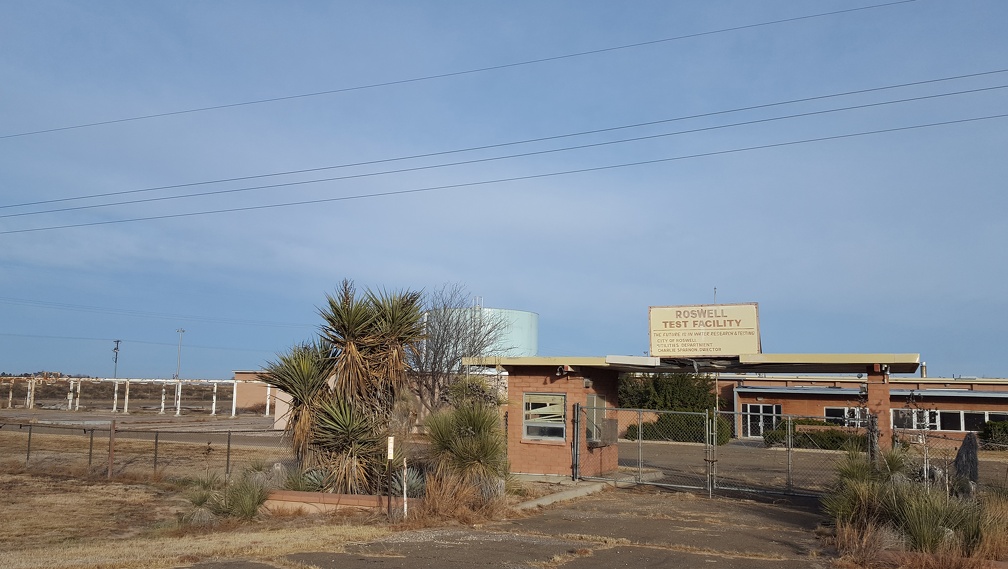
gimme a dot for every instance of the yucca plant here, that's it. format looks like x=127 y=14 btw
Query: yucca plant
x=302 y=374
x=931 y=520
x=468 y=442
x=348 y=325
x=412 y=479
x=348 y=442
x=398 y=325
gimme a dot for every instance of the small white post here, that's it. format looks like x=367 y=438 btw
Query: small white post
x=234 y=399
x=80 y=384
x=126 y=400
x=267 y=398
x=213 y=406
x=115 y=398
x=163 y=393
x=10 y=395
x=405 y=502
x=70 y=397
x=178 y=398
x=31 y=394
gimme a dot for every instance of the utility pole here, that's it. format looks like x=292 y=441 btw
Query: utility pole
x=178 y=362
x=115 y=375
x=178 y=378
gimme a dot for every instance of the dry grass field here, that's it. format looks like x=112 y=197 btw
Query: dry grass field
x=55 y=522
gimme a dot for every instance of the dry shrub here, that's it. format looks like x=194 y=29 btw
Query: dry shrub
x=948 y=560
x=994 y=526
x=862 y=545
x=450 y=497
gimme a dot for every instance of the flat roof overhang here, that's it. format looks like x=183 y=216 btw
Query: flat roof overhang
x=851 y=392
x=746 y=363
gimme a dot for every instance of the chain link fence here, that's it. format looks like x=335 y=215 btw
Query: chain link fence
x=96 y=449
x=723 y=451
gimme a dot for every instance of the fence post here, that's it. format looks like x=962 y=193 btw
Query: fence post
x=157 y=435
x=227 y=464
x=790 y=449
x=111 y=446
x=708 y=451
x=28 y=455
x=90 y=452
x=640 y=446
x=576 y=444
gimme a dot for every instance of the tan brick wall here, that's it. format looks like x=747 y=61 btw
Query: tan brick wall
x=530 y=456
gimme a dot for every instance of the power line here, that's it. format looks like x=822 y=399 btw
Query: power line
x=473 y=161
x=139 y=313
x=502 y=180
x=456 y=73
x=79 y=338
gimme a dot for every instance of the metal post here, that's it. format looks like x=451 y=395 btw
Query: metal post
x=576 y=444
x=234 y=399
x=213 y=406
x=178 y=398
x=115 y=398
x=790 y=450
x=710 y=460
x=10 y=396
x=156 y=436
x=111 y=446
x=80 y=384
x=90 y=451
x=640 y=446
x=267 y=399
x=162 y=399
x=28 y=455
x=70 y=395
x=227 y=465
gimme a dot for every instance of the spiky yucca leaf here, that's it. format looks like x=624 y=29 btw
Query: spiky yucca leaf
x=301 y=373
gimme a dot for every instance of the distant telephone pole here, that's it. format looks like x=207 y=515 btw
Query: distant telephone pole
x=178 y=362
x=115 y=359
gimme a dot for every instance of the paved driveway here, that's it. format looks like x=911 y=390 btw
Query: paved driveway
x=638 y=528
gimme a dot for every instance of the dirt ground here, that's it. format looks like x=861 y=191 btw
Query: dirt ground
x=61 y=523
x=51 y=520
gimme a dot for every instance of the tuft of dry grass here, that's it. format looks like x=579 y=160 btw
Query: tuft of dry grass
x=862 y=545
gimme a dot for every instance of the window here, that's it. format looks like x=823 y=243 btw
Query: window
x=950 y=420
x=974 y=421
x=545 y=416
x=846 y=416
x=943 y=420
x=594 y=417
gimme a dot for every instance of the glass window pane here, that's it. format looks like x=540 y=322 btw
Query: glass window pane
x=951 y=420
x=545 y=415
x=997 y=417
x=903 y=419
x=836 y=415
x=974 y=421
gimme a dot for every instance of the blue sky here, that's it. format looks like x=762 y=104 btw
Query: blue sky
x=887 y=242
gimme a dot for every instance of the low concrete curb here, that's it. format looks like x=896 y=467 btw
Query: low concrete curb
x=577 y=492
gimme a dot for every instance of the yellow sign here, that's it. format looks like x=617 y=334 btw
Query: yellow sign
x=704 y=330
